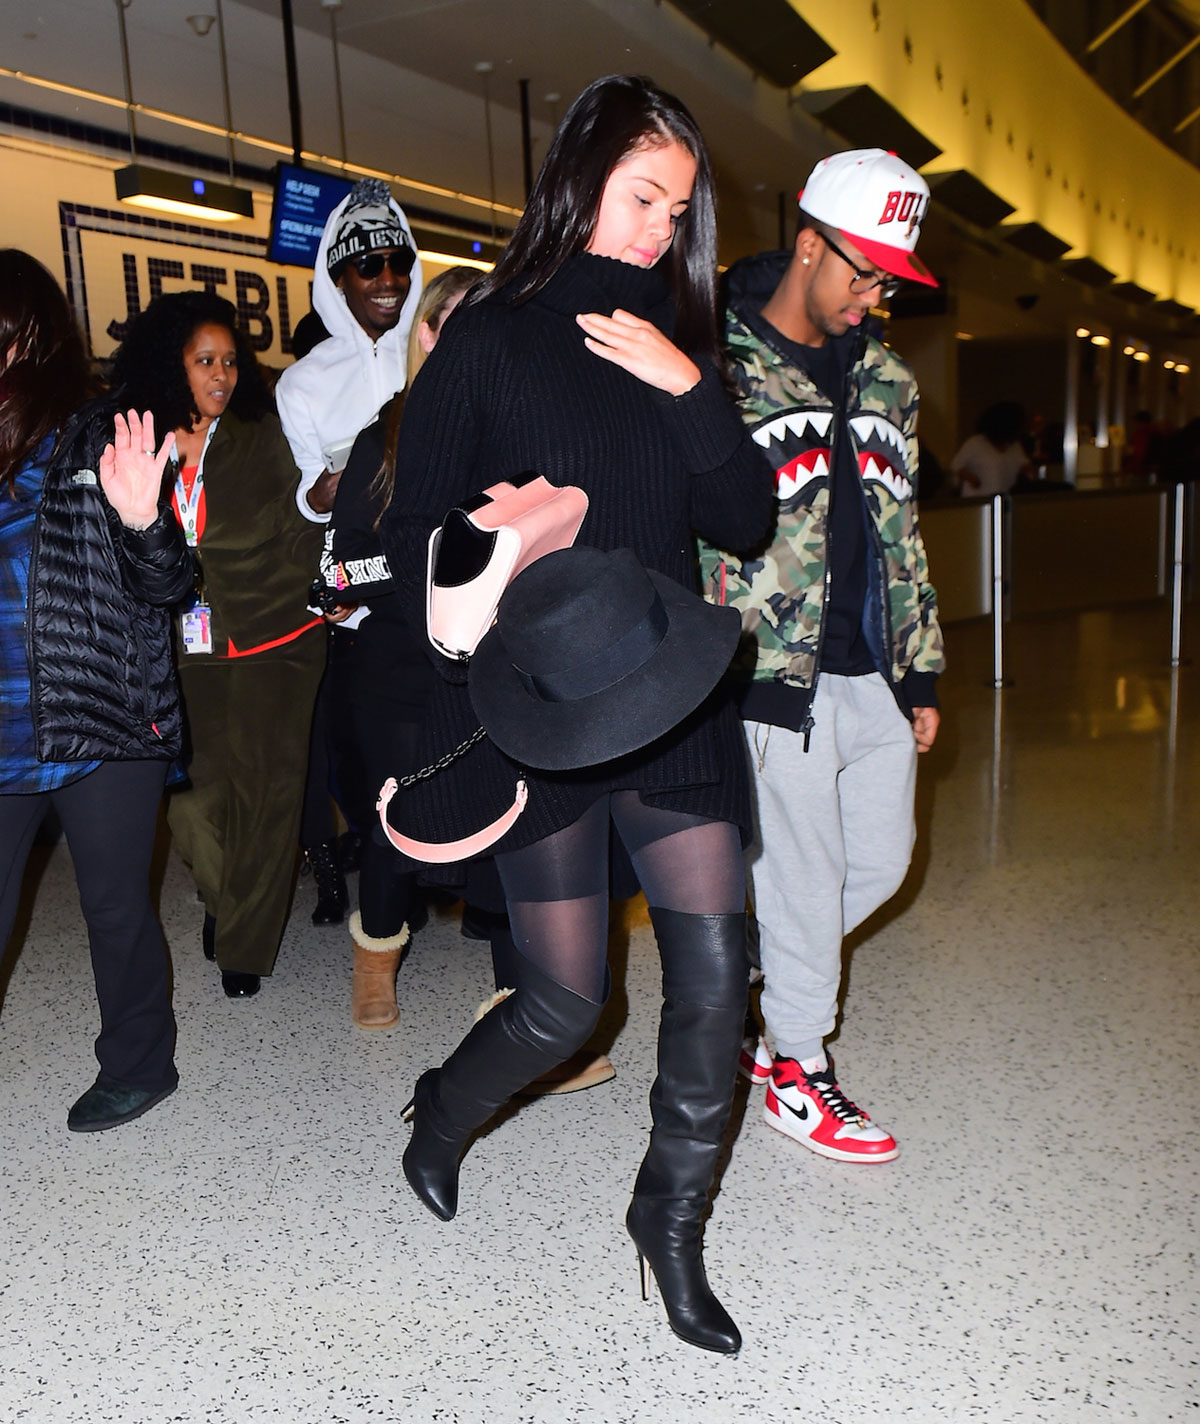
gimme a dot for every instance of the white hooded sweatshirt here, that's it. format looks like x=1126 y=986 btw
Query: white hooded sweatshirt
x=335 y=391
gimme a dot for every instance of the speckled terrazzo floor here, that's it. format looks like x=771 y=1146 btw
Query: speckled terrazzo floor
x=1025 y=1018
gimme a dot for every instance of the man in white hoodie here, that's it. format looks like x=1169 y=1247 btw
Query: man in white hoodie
x=366 y=286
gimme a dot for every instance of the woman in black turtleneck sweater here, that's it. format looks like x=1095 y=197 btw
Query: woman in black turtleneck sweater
x=589 y=356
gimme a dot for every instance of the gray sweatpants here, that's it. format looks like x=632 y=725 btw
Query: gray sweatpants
x=835 y=833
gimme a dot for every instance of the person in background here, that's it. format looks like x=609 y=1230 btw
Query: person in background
x=589 y=356
x=388 y=672
x=845 y=649
x=1147 y=446
x=250 y=651
x=931 y=477
x=310 y=331
x=1180 y=458
x=366 y=286
x=993 y=459
x=90 y=563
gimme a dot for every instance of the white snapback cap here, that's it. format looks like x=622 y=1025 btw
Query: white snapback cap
x=877 y=202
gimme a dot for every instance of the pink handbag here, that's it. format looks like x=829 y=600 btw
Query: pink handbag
x=480 y=548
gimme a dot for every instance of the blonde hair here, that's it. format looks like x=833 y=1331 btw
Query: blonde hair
x=431 y=310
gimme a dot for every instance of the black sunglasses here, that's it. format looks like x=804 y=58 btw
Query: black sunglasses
x=863 y=281
x=399 y=262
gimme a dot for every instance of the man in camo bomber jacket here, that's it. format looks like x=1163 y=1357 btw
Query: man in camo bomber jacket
x=844 y=647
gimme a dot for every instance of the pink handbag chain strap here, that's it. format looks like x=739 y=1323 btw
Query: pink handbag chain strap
x=448 y=852
x=442 y=763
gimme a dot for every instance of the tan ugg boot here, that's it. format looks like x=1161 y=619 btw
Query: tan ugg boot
x=373 y=987
x=584 y=1069
x=490 y=1003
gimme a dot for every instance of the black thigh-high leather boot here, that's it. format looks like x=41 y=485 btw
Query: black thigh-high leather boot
x=526 y=1034
x=704 y=1009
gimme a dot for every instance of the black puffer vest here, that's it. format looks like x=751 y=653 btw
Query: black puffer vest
x=98 y=626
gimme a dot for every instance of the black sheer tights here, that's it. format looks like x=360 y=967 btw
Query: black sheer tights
x=557 y=888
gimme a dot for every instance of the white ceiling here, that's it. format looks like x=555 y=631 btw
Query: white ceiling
x=413 y=100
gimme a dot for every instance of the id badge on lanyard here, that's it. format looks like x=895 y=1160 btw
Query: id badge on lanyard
x=195 y=628
x=195 y=623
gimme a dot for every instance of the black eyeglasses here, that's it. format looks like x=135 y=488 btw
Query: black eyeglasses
x=863 y=281
x=399 y=262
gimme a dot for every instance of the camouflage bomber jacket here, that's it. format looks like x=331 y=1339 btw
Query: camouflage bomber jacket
x=780 y=588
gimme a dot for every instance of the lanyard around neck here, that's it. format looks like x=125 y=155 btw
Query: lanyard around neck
x=189 y=504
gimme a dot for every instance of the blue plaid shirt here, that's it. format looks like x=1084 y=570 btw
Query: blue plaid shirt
x=20 y=770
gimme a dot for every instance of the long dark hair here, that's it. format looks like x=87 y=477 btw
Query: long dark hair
x=46 y=379
x=148 y=367
x=612 y=118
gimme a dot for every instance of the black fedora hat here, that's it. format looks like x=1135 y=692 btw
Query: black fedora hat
x=592 y=656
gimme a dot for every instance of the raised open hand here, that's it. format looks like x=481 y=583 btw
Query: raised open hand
x=131 y=472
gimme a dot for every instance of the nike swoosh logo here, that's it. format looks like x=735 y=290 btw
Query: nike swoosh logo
x=801 y=1113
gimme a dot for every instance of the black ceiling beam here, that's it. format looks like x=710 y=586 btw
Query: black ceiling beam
x=866 y=120
x=959 y=190
x=767 y=35
x=1088 y=271
x=1034 y=240
x=1131 y=292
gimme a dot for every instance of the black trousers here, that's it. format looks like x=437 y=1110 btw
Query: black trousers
x=384 y=686
x=335 y=762
x=109 y=818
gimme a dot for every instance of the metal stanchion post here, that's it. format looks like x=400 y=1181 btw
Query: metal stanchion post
x=998 y=678
x=1177 y=581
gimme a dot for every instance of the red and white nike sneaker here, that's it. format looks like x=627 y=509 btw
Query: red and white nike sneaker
x=810 y=1108
x=754 y=1061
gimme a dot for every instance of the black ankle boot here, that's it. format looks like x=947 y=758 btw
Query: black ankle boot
x=528 y=1033
x=332 y=896
x=704 y=1008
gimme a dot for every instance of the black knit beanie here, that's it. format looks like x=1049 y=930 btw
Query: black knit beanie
x=367 y=224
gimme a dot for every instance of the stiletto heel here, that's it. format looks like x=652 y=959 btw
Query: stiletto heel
x=672 y=1231
x=646 y=1271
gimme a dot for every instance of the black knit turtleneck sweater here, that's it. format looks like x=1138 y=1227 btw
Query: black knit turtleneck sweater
x=512 y=389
